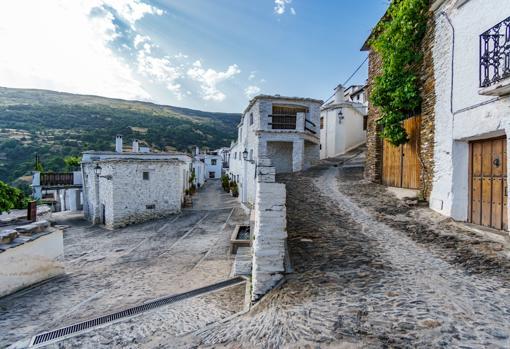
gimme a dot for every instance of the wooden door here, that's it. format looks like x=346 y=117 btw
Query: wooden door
x=401 y=165
x=488 y=202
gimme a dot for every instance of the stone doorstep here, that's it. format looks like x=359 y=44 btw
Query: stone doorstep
x=501 y=237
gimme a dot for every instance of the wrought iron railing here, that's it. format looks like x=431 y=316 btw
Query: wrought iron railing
x=283 y=121
x=495 y=54
x=57 y=179
x=312 y=124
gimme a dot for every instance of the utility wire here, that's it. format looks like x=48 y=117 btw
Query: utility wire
x=350 y=77
x=356 y=71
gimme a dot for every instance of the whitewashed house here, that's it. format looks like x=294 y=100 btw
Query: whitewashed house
x=62 y=191
x=282 y=129
x=122 y=188
x=471 y=62
x=343 y=121
x=213 y=164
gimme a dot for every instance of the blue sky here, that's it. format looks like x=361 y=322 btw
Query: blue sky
x=203 y=54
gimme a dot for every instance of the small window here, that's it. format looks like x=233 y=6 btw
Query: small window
x=251 y=118
x=150 y=207
x=235 y=156
x=322 y=123
x=146 y=176
x=213 y=162
x=212 y=175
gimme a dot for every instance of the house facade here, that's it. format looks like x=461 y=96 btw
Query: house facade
x=471 y=63
x=342 y=122
x=283 y=129
x=121 y=188
x=411 y=165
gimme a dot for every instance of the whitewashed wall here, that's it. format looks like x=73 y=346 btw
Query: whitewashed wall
x=462 y=114
x=338 y=138
x=32 y=262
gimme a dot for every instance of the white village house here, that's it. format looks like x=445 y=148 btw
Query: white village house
x=122 y=188
x=343 y=121
x=213 y=164
x=282 y=129
x=471 y=55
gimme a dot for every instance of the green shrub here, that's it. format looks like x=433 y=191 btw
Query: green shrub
x=11 y=198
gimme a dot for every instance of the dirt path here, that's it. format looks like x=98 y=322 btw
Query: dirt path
x=369 y=274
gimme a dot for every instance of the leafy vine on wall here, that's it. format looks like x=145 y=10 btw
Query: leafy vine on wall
x=396 y=90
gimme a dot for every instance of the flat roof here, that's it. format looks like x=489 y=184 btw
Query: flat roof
x=281 y=98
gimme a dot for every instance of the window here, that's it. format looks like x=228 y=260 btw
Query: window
x=150 y=207
x=251 y=118
x=235 y=156
x=212 y=174
x=365 y=122
x=146 y=176
x=213 y=162
x=322 y=123
x=284 y=117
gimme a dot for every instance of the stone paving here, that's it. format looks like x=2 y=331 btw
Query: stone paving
x=372 y=272
x=111 y=270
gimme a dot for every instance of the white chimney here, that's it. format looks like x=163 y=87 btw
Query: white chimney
x=136 y=148
x=197 y=151
x=339 y=94
x=118 y=144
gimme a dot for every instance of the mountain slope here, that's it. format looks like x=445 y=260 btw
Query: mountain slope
x=55 y=125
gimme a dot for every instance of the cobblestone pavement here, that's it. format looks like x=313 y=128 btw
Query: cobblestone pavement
x=111 y=270
x=373 y=272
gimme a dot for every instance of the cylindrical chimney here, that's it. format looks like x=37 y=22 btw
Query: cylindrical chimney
x=136 y=148
x=197 y=151
x=339 y=94
x=118 y=144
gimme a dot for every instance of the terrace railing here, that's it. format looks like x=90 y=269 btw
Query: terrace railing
x=57 y=179
x=495 y=54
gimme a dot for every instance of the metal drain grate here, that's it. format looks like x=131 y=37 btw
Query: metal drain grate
x=82 y=326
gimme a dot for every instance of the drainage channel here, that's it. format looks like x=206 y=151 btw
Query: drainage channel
x=59 y=334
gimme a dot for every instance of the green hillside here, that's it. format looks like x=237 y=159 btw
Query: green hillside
x=55 y=125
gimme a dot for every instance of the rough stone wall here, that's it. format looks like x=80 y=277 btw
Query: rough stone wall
x=270 y=231
x=428 y=94
x=280 y=154
x=373 y=165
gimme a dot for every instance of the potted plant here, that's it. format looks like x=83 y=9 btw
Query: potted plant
x=225 y=183
x=234 y=190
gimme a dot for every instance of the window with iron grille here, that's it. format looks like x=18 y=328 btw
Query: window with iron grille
x=213 y=162
x=150 y=207
x=495 y=54
x=284 y=117
x=146 y=176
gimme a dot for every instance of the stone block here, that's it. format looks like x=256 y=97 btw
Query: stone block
x=7 y=236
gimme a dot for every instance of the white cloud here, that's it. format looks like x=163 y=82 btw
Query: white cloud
x=293 y=11
x=210 y=78
x=64 y=45
x=132 y=10
x=251 y=91
x=280 y=5
x=160 y=70
x=252 y=75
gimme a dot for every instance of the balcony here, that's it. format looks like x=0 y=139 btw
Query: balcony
x=495 y=59
x=297 y=122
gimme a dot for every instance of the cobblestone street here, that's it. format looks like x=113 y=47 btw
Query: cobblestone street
x=373 y=272
x=111 y=270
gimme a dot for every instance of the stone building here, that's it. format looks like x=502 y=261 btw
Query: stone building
x=122 y=188
x=282 y=129
x=471 y=67
x=342 y=122
x=411 y=165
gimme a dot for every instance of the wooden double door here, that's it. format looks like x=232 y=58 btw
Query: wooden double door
x=488 y=183
x=401 y=165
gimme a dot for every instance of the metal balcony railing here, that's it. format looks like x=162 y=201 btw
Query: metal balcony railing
x=310 y=126
x=57 y=179
x=495 y=54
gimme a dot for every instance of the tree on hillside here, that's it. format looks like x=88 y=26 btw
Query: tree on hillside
x=72 y=162
x=11 y=198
